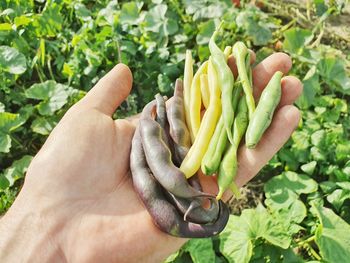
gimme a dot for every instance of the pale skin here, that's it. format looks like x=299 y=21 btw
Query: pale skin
x=78 y=203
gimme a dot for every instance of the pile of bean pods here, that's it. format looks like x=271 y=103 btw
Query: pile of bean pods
x=175 y=140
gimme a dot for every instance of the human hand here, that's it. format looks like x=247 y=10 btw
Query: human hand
x=78 y=203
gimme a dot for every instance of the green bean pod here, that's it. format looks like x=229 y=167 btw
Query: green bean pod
x=226 y=82
x=228 y=166
x=262 y=117
x=242 y=56
x=212 y=158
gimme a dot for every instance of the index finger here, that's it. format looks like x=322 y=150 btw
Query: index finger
x=263 y=72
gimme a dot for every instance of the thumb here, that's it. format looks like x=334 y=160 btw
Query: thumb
x=110 y=91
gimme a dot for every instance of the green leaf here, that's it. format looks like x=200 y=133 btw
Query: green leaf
x=240 y=234
x=311 y=88
x=4 y=183
x=22 y=20
x=309 y=168
x=49 y=22
x=17 y=169
x=295 y=40
x=43 y=126
x=201 y=250
x=205 y=31
x=82 y=12
x=252 y=20
x=332 y=236
x=333 y=71
x=285 y=188
x=338 y=197
x=53 y=95
x=12 y=61
x=5 y=142
x=318 y=138
x=342 y=151
x=129 y=13
x=10 y=121
x=157 y=20
x=5 y=27
x=301 y=140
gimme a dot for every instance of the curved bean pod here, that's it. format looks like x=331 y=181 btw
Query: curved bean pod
x=262 y=117
x=177 y=124
x=158 y=157
x=228 y=166
x=242 y=56
x=205 y=90
x=161 y=112
x=193 y=210
x=226 y=80
x=195 y=101
x=191 y=207
x=164 y=215
x=188 y=78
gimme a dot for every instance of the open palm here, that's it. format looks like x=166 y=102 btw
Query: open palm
x=80 y=185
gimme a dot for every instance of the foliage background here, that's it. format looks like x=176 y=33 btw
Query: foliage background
x=298 y=208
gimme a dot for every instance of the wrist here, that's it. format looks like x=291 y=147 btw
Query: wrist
x=28 y=235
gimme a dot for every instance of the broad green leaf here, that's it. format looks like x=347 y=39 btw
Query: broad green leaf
x=12 y=61
x=5 y=142
x=328 y=186
x=255 y=27
x=333 y=71
x=2 y=107
x=332 y=236
x=172 y=257
x=53 y=95
x=129 y=13
x=342 y=151
x=338 y=197
x=317 y=154
x=309 y=168
x=301 y=139
x=82 y=12
x=22 y=20
x=295 y=40
x=5 y=26
x=43 y=126
x=201 y=250
x=4 y=183
x=9 y=121
x=157 y=21
x=205 y=31
x=17 y=169
x=284 y=189
x=311 y=87
x=49 y=22
x=239 y=236
x=109 y=13
x=318 y=138
x=235 y=244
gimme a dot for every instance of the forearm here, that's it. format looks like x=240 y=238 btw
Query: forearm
x=26 y=237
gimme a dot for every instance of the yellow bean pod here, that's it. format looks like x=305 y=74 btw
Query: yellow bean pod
x=193 y=159
x=205 y=90
x=188 y=78
x=196 y=101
